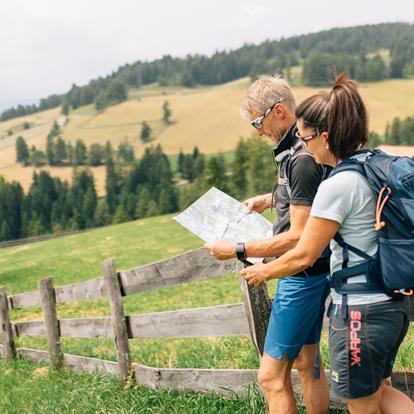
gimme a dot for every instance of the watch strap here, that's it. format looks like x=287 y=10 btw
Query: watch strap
x=241 y=251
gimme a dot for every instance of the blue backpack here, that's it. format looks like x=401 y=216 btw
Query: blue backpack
x=391 y=270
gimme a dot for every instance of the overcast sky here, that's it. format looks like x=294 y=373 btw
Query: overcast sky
x=46 y=45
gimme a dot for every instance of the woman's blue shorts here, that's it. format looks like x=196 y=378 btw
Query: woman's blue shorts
x=297 y=315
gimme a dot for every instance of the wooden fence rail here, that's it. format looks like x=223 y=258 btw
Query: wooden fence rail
x=240 y=319
x=186 y=268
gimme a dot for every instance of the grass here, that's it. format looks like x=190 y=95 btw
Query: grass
x=33 y=388
x=29 y=388
x=78 y=257
x=204 y=116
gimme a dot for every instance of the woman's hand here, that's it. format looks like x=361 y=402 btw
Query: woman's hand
x=255 y=275
x=259 y=203
x=222 y=249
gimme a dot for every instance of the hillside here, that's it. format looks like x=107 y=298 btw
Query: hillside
x=207 y=117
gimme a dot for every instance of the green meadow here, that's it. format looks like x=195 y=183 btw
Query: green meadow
x=78 y=257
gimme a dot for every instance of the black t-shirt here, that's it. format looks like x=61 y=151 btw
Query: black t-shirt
x=299 y=178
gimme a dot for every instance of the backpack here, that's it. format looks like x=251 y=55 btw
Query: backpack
x=391 y=270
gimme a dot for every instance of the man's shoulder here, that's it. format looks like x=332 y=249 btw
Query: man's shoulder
x=302 y=161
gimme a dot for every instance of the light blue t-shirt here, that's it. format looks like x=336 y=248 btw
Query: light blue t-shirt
x=347 y=199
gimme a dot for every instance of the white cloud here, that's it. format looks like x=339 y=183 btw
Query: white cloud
x=53 y=43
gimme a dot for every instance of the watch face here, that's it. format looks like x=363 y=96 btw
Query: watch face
x=240 y=251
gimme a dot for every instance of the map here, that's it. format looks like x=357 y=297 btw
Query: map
x=217 y=216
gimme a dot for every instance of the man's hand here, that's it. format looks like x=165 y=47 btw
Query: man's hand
x=222 y=249
x=259 y=203
x=255 y=275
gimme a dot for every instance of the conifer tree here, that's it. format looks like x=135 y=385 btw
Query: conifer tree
x=22 y=151
x=166 y=113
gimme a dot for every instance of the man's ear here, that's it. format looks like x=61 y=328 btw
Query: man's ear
x=280 y=111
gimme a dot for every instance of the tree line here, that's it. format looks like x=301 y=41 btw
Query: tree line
x=147 y=187
x=63 y=153
x=400 y=131
x=335 y=49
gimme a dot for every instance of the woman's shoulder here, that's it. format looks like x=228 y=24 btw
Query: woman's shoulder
x=346 y=180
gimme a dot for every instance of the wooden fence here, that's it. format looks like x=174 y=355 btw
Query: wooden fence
x=240 y=319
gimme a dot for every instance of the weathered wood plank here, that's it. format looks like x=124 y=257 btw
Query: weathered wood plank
x=6 y=327
x=221 y=381
x=47 y=295
x=87 y=290
x=257 y=307
x=148 y=376
x=74 y=362
x=223 y=320
x=119 y=326
x=404 y=381
x=87 y=328
x=185 y=268
x=87 y=364
x=30 y=328
x=25 y=300
x=215 y=321
x=34 y=355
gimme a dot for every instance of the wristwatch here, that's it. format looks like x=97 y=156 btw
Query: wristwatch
x=241 y=251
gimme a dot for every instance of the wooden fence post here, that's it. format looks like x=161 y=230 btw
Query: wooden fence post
x=258 y=306
x=6 y=328
x=119 y=326
x=48 y=299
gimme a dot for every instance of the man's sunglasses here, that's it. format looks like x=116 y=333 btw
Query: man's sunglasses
x=308 y=137
x=258 y=122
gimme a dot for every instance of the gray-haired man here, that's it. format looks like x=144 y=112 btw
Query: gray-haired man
x=297 y=312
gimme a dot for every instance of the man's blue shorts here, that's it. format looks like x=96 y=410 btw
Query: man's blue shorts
x=297 y=315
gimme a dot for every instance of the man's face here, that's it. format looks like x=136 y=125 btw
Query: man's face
x=273 y=125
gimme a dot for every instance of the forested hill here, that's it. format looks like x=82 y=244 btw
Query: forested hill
x=350 y=49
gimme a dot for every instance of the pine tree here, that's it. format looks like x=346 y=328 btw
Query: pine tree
x=120 y=215
x=22 y=151
x=152 y=209
x=108 y=152
x=216 y=174
x=239 y=167
x=180 y=163
x=81 y=153
x=50 y=150
x=55 y=131
x=166 y=117
x=144 y=197
x=145 y=132
x=60 y=151
x=96 y=153
x=102 y=216
x=111 y=187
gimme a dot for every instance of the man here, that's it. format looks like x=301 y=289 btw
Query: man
x=297 y=312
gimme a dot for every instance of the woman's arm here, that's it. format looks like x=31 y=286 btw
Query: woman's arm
x=316 y=236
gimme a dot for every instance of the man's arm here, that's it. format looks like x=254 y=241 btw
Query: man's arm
x=259 y=203
x=274 y=246
x=281 y=243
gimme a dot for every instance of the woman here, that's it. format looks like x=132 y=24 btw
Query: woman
x=367 y=329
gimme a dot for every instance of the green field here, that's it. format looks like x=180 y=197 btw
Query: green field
x=78 y=257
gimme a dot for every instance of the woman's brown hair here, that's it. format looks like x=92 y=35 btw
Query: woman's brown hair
x=341 y=113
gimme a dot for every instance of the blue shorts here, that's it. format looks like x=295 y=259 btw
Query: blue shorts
x=297 y=315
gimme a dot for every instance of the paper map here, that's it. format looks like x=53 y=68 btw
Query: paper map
x=217 y=216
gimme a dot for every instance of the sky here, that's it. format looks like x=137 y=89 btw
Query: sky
x=47 y=45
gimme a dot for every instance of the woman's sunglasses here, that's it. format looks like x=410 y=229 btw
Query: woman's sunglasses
x=307 y=137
